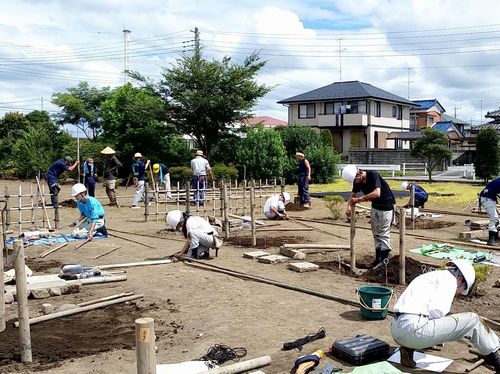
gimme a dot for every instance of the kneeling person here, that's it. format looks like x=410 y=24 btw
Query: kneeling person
x=200 y=235
x=274 y=208
x=91 y=218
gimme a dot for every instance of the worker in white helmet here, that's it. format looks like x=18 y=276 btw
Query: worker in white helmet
x=421 y=320
x=376 y=190
x=421 y=196
x=200 y=234
x=274 y=208
x=91 y=218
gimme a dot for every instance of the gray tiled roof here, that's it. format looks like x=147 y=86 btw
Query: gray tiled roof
x=346 y=91
x=493 y=114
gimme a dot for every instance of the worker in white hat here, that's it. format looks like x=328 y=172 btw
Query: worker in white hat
x=111 y=165
x=303 y=179
x=138 y=173
x=421 y=317
x=91 y=220
x=421 y=196
x=274 y=208
x=201 y=169
x=376 y=190
x=200 y=234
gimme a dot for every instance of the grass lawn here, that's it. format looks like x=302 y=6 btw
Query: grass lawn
x=462 y=194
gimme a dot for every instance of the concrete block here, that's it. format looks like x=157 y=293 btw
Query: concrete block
x=472 y=234
x=292 y=253
x=255 y=254
x=55 y=291
x=8 y=298
x=40 y=294
x=273 y=259
x=47 y=308
x=302 y=267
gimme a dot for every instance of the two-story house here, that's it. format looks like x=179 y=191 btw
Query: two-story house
x=425 y=113
x=357 y=114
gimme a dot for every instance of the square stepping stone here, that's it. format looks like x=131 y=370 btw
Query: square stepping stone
x=273 y=259
x=292 y=253
x=302 y=267
x=255 y=254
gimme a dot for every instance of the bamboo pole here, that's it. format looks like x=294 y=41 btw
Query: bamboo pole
x=252 y=216
x=82 y=244
x=241 y=367
x=317 y=246
x=22 y=303
x=20 y=205
x=2 y=300
x=352 y=237
x=402 y=252
x=226 y=217
x=48 y=252
x=146 y=235
x=145 y=345
x=188 y=197
x=33 y=216
x=135 y=264
x=107 y=298
x=146 y=202
x=107 y=252
x=7 y=208
x=43 y=203
x=214 y=198
x=130 y=240
x=315 y=228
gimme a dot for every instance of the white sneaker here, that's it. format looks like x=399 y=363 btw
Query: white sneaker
x=135 y=207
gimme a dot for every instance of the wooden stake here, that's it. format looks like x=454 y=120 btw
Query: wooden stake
x=82 y=244
x=402 y=252
x=352 y=237
x=145 y=345
x=49 y=251
x=107 y=252
x=252 y=215
x=43 y=202
x=226 y=217
x=134 y=264
x=111 y=297
x=241 y=367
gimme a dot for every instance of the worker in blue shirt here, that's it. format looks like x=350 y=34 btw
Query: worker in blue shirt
x=488 y=200
x=91 y=220
x=89 y=176
x=55 y=171
x=421 y=196
x=138 y=172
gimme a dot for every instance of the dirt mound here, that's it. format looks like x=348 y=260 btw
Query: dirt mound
x=69 y=203
x=291 y=207
x=422 y=224
x=39 y=265
x=265 y=242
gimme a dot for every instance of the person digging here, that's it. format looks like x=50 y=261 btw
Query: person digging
x=91 y=220
x=274 y=208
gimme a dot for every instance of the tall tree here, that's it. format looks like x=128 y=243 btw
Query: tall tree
x=487 y=160
x=81 y=107
x=432 y=149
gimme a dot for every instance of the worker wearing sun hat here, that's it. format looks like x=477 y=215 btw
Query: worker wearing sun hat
x=138 y=172
x=421 y=320
x=201 y=169
x=376 y=190
x=111 y=165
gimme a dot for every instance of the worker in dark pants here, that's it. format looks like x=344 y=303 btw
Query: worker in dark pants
x=421 y=196
x=55 y=171
x=488 y=199
x=303 y=179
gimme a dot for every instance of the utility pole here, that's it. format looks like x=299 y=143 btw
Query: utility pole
x=455 y=110
x=41 y=102
x=340 y=59
x=126 y=42
x=196 y=43
x=409 y=82
x=481 y=100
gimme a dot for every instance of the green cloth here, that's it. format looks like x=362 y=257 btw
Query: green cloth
x=446 y=252
x=377 y=368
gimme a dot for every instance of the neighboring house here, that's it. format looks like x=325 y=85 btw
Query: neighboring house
x=494 y=124
x=357 y=114
x=265 y=121
x=425 y=113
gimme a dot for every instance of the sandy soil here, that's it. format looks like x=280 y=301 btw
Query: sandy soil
x=195 y=309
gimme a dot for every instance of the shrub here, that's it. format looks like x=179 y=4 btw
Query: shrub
x=335 y=205
x=323 y=160
x=180 y=174
x=221 y=171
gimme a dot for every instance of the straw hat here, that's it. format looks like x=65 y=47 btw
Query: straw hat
x=138 y=155
x=199 y=153
x=108 y=151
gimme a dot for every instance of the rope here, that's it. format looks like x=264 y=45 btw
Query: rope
x=220 y=353
x=363 y=304
x=297 y=344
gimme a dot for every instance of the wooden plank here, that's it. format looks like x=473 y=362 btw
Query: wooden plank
x=133 y=264
x=316 y=246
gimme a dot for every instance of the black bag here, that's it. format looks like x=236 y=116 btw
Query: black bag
x=361 y=350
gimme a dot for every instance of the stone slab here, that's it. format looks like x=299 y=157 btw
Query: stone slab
x=292 y=253
x=302 y=267
x=273 y=259
x=472 y=234
x=255 y=254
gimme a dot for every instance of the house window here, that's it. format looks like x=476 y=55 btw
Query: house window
x=357 y=106
x=394 y=111
x=413 y=123
x=307 y=110
x=377 y=109
x=400 y=112
x=332 y=108
x=430 y=120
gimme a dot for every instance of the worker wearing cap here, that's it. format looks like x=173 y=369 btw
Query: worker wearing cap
x=111 y=165
x=488 y=200
x=201 y=169
x=91 y=218
x=303 y=179
x=162 y=175
x=421 y=320
x=376 y=190
x=53 y=174
x=421 y=196
x=200 y=234
x=138 y=173
x=274 y=208
x=89 y=172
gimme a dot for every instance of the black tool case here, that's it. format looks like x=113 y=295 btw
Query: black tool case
x=361 y=350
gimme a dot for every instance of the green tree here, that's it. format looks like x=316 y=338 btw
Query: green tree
x=263 y=153
x=431 y=148
x=81 y=107
x=205 y=97
x=297 y=138
x=323 y=160
x=487 y=160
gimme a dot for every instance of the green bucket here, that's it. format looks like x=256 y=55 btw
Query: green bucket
x=374 y=301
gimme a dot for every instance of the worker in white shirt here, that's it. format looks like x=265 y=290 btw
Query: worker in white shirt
x=274 y=208
x=201 y=169
x=200 y=234
x=421 y=320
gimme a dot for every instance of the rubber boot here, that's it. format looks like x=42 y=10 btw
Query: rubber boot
x=407 y=357
x=382 y=256
x=491 y=238
x=493 y=359
x=377 y=258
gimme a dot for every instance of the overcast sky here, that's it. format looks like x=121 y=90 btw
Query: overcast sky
x=448 y=50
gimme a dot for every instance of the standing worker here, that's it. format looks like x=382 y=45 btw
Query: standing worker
x=89 y=176
x=162 y=175
x=91 y=218
x=138 y=173
x=421 y=196
x=303 y=179
x=111 y=165
x=200 y=168
x=488 y=199
x=274 y=208
x=376 y=190
x=421 y=321
x=53 y=174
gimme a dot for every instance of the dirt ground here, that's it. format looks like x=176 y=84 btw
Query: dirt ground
x=195 y=309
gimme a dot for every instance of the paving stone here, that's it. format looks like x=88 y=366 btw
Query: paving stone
x=273 y=259
x=55 y=291
x=47 y=308
x=255 y=254
x=292 y=253
x=8 y=298
x=40 y=294
x=302 y=267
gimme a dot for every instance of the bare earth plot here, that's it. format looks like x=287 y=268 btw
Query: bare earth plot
x=195 y=309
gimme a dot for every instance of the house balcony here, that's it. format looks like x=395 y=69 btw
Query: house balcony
x=350 y=119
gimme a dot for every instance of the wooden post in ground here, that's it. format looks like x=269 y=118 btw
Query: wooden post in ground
x=402 y=259
x=213 y=199
x=20 y=204
x=33 y=219
x=146 y=202
x=353 y=235
x=7 y=207
x=188 y=197
x=145 y=345
x=252 y=215
x=22 y=303
x=412 y=208
x=226 y=217
x=244 y=184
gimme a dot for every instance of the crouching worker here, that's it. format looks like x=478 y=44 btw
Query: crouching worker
x=91 y=220
x=274 y=208
x=200 y=235
x=421 y=320
x=421 y=196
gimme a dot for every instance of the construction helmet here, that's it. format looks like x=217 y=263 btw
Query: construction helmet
x=77 y=189
x=349 y=173
x=156 y=168
x=286 y=197
x=174 y=217
x=404 y=186
x=138 y=155
x=467 y=271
